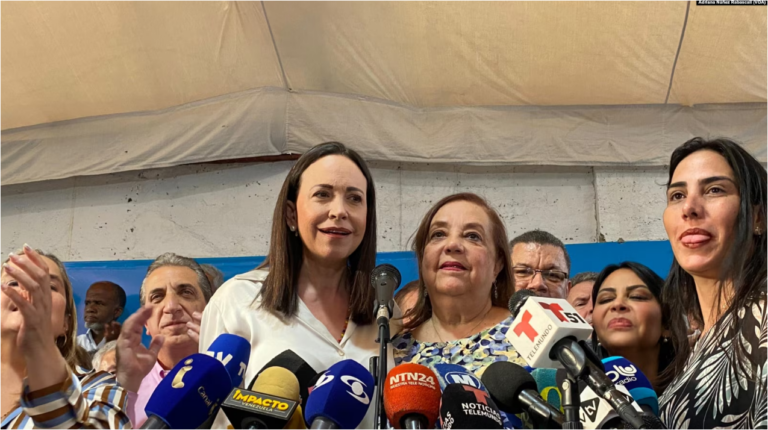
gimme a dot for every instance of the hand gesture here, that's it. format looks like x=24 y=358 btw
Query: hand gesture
x=193 y=327
x=33 y=299
x=134 y=360
x=112 y=331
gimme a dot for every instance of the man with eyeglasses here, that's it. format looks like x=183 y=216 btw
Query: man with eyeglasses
x=541 y=264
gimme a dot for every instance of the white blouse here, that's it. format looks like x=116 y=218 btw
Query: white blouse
x=231 y=310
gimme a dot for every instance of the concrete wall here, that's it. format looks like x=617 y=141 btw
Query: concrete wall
x=226 y=209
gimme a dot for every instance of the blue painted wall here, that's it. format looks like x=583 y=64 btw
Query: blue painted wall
x=130 y=273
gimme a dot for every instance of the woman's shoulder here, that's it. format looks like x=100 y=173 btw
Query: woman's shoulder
x=242 y=288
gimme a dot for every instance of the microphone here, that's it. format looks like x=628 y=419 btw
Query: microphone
x=412 y=397
x=540 y=322
x=233 y=352
x=465 y=407
x=514 y=390
x=454 y=374
x=269 y=404
x=546 y=332
x=341 y=397
x=188 y=395
x=548 y=385
x=385 y=279
x=305 y=374
x=623 y=372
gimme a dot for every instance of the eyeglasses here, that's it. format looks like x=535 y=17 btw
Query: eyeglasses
x=550 y=276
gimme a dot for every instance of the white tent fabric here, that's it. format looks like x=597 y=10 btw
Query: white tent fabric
x=100 y=87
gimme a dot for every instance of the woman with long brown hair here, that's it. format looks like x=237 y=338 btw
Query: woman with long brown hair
x=715 y=220
x=312 y=294
x=42 y=384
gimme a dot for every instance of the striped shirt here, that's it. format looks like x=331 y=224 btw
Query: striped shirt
x=84 y=400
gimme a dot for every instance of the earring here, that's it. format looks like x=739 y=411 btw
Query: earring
x=495 y=291
x=758 y=231
x=665 y=339
x=293 y=229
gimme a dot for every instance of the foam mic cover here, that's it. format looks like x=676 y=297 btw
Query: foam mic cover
x=341 y=396
x=454 y=374
x=514 y=391
x=623 y=372
x=412 y=394
x=270 y=403
x=305 y=374
x=190 y=393
x=548 y=383
x=465 y=407
x=385 y=278
x=518 y=300
x=233 y=352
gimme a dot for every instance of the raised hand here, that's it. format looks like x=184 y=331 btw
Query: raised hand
x=112 y=331
x=193 y=327
x=134 y=360
x=30 y=290
x=33 y=299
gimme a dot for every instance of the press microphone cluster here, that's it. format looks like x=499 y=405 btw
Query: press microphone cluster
x=341 y=397
x=549 y=333
x=190 y=395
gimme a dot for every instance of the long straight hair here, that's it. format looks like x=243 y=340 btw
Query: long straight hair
x=745 y=263
x=279 y=293
x=655 y=284
x=422 y=310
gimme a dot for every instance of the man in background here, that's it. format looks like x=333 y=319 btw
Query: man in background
x=580 y=294
x=541 y=264
x=104 y=303
x=173 y=296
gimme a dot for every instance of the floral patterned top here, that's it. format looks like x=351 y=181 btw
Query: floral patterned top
x=474 y=353
x=711 y=392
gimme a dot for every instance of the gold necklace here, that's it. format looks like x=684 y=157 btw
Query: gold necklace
x=434 y=327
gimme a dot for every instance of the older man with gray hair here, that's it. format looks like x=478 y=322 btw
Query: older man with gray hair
x=173 y=296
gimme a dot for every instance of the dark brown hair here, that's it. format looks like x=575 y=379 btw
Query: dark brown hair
x=655 y=283
x=422 y=311
x=745 y=262
x=279 y=294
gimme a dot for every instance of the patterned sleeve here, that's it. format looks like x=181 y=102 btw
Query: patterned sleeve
x=83 y=400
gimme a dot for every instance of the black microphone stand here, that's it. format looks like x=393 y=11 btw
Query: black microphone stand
x=571 y=403
x=382 y=319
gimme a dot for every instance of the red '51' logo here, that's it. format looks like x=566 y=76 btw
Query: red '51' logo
x=525 y=327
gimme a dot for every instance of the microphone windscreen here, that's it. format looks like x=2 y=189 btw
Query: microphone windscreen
x=385 y=278
x=304 y=373
x=454 y=374
x=465 y=407
x=623 y=372
x=190 y=393
x=411 y=389
x=518 y=300
x=279 y=382
x=342 y=395
x=297 y=420
x=233 y=352
x=548 y=383
x=504 y=381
